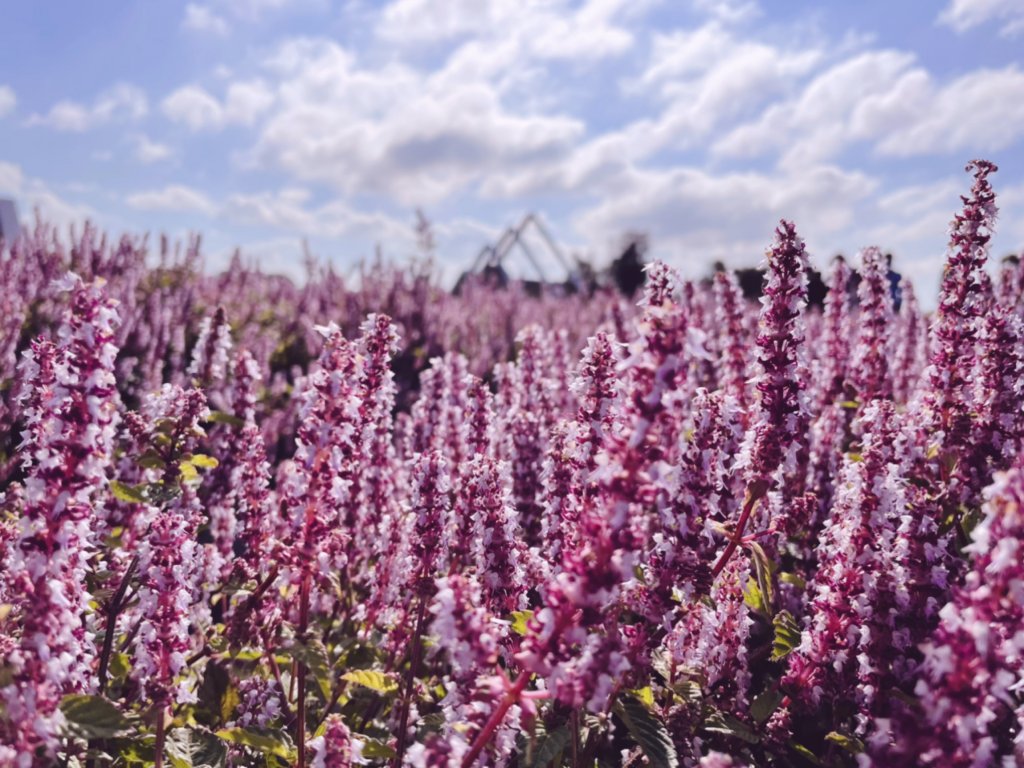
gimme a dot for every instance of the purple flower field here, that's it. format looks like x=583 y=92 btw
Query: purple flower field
x=245 y=522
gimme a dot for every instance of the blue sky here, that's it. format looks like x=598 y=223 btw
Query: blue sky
x=701 y=122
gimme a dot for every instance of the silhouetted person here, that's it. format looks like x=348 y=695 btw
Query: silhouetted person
x=628 y=270
x=816 y=289
x=894 y=283
x=751 y=282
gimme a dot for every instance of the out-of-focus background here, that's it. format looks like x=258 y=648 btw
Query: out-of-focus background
x=260 y=123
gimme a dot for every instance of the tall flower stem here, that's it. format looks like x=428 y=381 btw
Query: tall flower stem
x=113 y=609
x=482 y=739
x=158 y=753
x=300 y=720
x=410 y=681
x=754 y=495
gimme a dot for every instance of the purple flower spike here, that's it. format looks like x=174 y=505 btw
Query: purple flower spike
x=71 y=411
x=872 y=353
x=831 y=371
x=336 y=748
x=969 y=687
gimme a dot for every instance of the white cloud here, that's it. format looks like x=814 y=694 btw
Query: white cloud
x=819 y=121
x=884 y=99
x=729 y=11
x=964 y=15
x=148 y=151
x=253 y=9
x=173 y=198
x=122 y=102
x=246 y=101
x=194 y=107
x=199 y=110
x=202 y=18
x=695 y=216
x=414 y=137
x=288 y=210
x=547 y=30
x=11 y=178
x=7 y=100
x=708 y=77
x=979 y=112
x=31 y=194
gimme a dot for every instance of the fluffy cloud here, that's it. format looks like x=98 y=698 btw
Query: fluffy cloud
x=148 y=151
x=289 y=210
x=199 y=110
x=202 y=18
x=122 y=102
x=979 y=112
x=175 y=198
x=551 y=30
x=963 y=15
x=7 y=100
x=690 y=122
x=397 y=132
x=35 y=194
x=884 y=99
x=194 y=107
x=688 y=210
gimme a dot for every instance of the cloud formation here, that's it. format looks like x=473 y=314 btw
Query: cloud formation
x=701 y=122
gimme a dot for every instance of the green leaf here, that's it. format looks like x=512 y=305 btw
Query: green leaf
x=550 y=747
x=519 y=619
x=203 y=461
x=220 y=417
x=851 y=744
x=229 y=702
x=217 y=696
x=158 y=493
x=647 y=731
x=762 y=707
x=969 y=520
x=120 y=665
x=805 y=753
x=849 y=404
x=376 y=749
x=375 y=681
x=763 y=573
x=646 y=695
x=191 y=748
x=133 y=494
x=787 y=635
x=93 y=717
x=719 y=722
x=269 y=741
x=792 y=578
x=313 y=655
x=137 y=753
x=753 y=597
x=151 y=460
x=689 y=691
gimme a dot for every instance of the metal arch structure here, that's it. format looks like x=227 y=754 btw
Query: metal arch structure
x=491 y=256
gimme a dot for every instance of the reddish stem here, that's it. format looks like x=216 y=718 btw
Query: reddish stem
x=484 y=737
x=300 y=720
x=410 y=681
x=115 y=607
x=757 y=491
x=158 y=755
